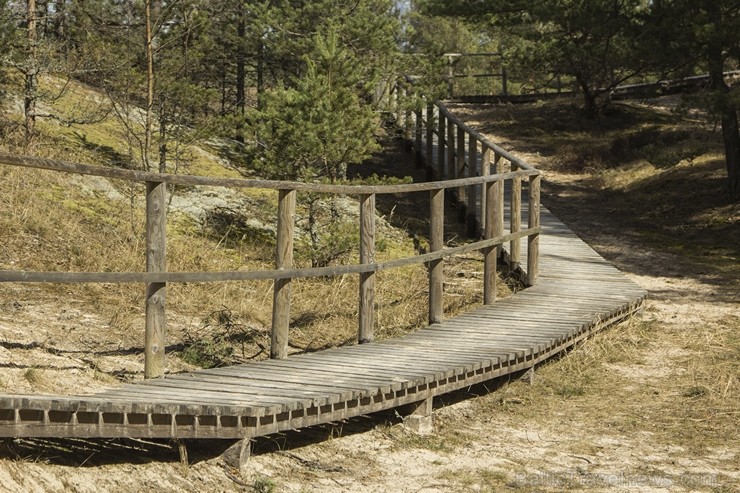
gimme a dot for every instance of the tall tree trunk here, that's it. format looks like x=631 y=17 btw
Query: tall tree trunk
x=60 y=20
x=731 y=137
x=260 y=74
x=149 y=83
x=31 y=74
x=727 y=110
x=241 y=73
x=589 y=99
x=162 y=135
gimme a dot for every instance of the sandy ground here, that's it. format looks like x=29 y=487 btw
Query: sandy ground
x=517 y=437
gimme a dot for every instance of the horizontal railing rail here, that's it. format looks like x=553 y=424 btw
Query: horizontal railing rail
x=273 y=274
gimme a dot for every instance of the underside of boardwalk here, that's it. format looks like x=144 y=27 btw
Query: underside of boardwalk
x=577 y=294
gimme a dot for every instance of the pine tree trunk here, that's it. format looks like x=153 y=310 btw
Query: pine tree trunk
x=149 y=84
x=260 y=74
x=31 y=74
x=731 y=137
x=728 y=112
x=60 y=21
x=241 y=75
x=589 y=100
x=162 y=136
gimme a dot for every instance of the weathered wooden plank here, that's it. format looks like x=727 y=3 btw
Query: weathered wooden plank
x=332 y=393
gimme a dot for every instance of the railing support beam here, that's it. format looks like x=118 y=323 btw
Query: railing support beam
x=490 y=254
x=441 y=147
x=436 y=243
x=156 y=243
x=472 y=220
x=460 y=172
x=283 y=260
x=515 y=204
x=533 y=243
x=367 y=279
x=429 y=151
x=485 y=171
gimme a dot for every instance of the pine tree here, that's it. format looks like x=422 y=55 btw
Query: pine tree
x=318 y=125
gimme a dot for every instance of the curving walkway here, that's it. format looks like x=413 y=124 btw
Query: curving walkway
x=577 y=293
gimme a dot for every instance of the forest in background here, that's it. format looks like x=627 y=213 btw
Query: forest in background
x=298 y=89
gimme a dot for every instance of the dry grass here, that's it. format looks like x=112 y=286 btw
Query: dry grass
x=56 y=222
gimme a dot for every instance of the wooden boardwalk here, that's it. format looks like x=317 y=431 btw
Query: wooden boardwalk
x=577 y=293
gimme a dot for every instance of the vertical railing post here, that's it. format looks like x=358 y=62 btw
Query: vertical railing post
x=367 y=279
x=283 y=260
x=490 y=254
x=441 y=146
x=460 y=171
x=504 y=82
x=499 y=227
x=472 y=171
x=533 y=244
x=418 y=138
x=156 y=243
x=451 y=127
x=436 y=243
x=515 y=219
x=485 y=171
x=429 y=151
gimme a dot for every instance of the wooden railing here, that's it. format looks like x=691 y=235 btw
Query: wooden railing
x=491 y=212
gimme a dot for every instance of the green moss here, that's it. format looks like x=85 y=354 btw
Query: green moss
x=99 y=211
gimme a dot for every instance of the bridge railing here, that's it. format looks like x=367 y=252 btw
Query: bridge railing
x=157 y=276
x=451 y=149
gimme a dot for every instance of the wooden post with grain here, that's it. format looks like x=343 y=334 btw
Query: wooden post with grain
x=441 y=146
x=490 y=254
x=460 y=171
x=156 y=243
x=429 y=152
x=283 y=260
x=436 y=243
x=515 y=202
x=485 y=165
x=450 y=151
x=367 y=279
x=472 y=221
x=499 y=226
x=533 y=252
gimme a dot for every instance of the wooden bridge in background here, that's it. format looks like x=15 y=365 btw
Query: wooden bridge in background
x=572 y=292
